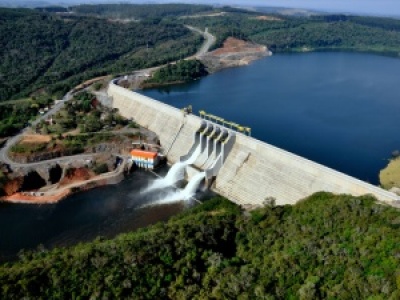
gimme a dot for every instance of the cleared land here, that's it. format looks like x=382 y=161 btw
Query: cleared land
x=233 y=45
x=268 y=18
x=234 y=52
x=35 y=138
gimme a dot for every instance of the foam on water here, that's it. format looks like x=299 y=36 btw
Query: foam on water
x=175 y=174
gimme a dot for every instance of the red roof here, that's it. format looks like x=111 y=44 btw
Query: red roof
x=144 y=154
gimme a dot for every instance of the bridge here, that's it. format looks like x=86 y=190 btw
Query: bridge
x=243 y=169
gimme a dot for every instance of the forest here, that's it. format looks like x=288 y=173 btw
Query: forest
x=288 y=34
x=323 y=247
x=181 y=72
x=48 y=53
x=140 y=11
x=15 y=116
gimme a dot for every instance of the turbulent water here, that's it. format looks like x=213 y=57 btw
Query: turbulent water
x=104 y=211
x=175 y=174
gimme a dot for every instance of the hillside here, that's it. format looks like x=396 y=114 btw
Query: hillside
x=47 y=52
x=287 y=33
x=140 y=11
x=325 y=247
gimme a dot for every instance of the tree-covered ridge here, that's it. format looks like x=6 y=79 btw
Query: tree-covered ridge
x=140 y=11
x=40 y=50
x=333 y=32
x=182 y=71
x=325 y=247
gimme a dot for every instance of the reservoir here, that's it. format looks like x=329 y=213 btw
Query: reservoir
x=338 y=109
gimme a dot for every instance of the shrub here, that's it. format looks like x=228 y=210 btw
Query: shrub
x=100 y=168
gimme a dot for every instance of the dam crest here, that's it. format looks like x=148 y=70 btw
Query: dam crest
x=236 y=166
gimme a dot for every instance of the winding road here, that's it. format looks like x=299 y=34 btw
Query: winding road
x=209 y=41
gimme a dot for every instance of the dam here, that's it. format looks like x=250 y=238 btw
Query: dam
x=243 y=169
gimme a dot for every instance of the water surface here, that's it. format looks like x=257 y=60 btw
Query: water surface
x=105 y=211
x=338 y=109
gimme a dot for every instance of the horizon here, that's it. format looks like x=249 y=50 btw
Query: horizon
x=387 y=8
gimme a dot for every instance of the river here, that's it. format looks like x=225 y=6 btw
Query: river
x=105 y=211
x=338 y=109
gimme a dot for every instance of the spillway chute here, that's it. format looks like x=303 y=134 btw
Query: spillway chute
x=211 y=145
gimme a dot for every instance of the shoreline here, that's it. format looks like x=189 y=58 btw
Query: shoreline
x=234 y=53
x=112 y=177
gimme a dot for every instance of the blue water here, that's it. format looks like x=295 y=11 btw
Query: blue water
x=338 y=109
x=335 y=108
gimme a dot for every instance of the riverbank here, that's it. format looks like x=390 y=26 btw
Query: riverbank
x=233 y=53
x=60 y=192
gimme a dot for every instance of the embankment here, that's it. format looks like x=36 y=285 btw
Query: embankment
x=72 y=179
x=254 y=170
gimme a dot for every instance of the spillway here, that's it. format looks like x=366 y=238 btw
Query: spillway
x=246 y=170
x=176 y=172
x=191 y=188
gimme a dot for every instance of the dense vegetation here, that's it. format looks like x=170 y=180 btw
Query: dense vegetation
x=83 y=113
x=143 y=11
x=335 y=247
x=46 y=51
x=80 y=125
x=283 y=33
x=182 y=71
x=15 y=115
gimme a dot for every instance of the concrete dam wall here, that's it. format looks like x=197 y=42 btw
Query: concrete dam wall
x=253 y=170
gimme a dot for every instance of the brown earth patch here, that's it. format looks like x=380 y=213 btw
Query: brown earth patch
x=13 y=185
x=234 y=53
x=234 y=45
x=77 y=175
x=268 y=18
x=36 y=198
x=35 y=139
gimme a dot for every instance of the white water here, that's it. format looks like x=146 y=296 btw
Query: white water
x=192 y=186
x=174 y=174
x=181 y=195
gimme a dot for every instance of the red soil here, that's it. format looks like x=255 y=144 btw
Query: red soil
x=233 y=45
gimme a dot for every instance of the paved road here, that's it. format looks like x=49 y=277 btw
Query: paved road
x=209 y=41
x=13 y=140
x=137 y=77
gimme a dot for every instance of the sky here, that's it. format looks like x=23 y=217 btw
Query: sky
x=372 y=7
x=368 y=7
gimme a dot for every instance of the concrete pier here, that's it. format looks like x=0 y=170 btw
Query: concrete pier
x=253 y=170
